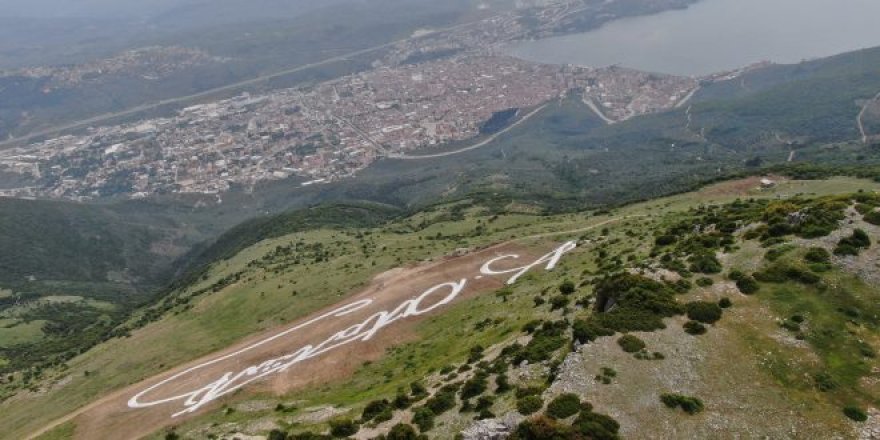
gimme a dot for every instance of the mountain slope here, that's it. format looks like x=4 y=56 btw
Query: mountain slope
x=279 y=280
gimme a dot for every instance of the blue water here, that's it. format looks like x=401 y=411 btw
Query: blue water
x=718 y=35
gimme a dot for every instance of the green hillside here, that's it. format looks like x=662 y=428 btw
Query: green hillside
x=744 y=234
x=129 y=253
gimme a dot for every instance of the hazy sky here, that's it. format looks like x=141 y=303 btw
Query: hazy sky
x=87 y=8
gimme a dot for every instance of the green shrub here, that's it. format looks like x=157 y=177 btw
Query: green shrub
x=596 y=426
x=374 y=408
x=529 y=404
x=502 y=384
x=401 y=400
x=423 y=417
x=853 y=244
x=705 y=312
x=873 y=218
x=384 y=416
x=640 y=304
x=781 y=272
x=705 y=282
x=475 y=386
x=559 y=302
x=485 y=402
x=665 y=240
x=817 y=255
x=631 y=344
x=475 y=354
x=824 y=382
x=308 y=435
x=735 y=275
x=690 y=405
x=855 y=413
x=542 y=428
x=705 y=263
x=528 y=391
x=725 y=303
x=567 y=287
x=563 y=406
x=274 y=435
x=341 y=428
x=532 y=325
x=544 y=343
x=441 y=402
x=588 y=331
x=747 y=285
x=402 y=431
x=694 y=328
x=418 y=391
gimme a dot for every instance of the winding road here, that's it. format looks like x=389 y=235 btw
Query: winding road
x=483 y=143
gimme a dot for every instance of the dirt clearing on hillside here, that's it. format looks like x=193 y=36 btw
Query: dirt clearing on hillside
x=325 y=346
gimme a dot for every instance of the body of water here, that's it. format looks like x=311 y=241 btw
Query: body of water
x=718 y=35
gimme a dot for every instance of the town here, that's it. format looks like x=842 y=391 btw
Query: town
x=436 y=88
x=322 y=133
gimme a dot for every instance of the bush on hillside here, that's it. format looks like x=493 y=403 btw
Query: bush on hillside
x=545 y=341
x=639 y=303
x=588 y=331
x=564 y=406
x=690 y=405
x=817 y=255
x=873 y=218
x=402 y=431
x=596 y=426
x=341 y=428
x=567 y=287
x=781 y=272
x=855 y=413
x=665 y=240
x=705 y=282
x=308 y=435
x=374 y=408
x=705 y=312
x=853 y=244
x=705 y=263
x=442 y=401
x=529 y=404
x=475 y=386
x=423 y=417
x=559 y=302
x=694 y=328
x=748 y=285
x=631 y=344
x=276 y=434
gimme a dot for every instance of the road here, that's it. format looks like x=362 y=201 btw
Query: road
x=589 y=102
x=483 y=143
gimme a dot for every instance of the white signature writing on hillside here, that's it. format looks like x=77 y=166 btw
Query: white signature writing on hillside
x=437 y=296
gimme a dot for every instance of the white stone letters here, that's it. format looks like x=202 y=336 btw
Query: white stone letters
x=430 y=300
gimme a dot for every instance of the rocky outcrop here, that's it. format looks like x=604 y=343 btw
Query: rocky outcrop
x=493 y=429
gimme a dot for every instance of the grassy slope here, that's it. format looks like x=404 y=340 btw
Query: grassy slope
x=447 y=338
x=257 y=303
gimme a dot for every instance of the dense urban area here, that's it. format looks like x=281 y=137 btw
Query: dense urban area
x=432 y=89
